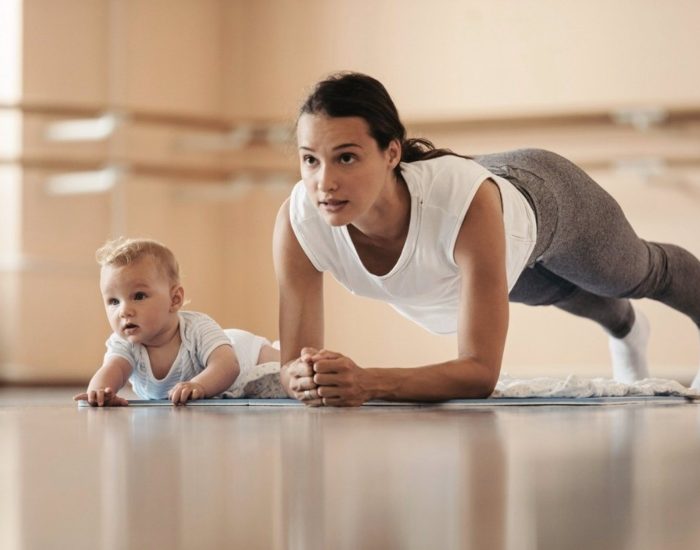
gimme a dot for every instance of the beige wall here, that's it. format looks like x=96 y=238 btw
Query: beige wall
x=447 y=59
x=181 y=71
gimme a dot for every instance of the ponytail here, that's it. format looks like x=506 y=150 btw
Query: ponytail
x=413 y=149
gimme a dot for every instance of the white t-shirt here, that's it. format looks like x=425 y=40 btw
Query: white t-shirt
x=424 y=285
x=200 y=336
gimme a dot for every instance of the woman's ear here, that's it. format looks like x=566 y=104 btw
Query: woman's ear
x=394 y=153
x=177 y=298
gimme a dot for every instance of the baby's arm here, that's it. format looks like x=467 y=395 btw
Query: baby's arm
x=106 y=382
x=220 y=373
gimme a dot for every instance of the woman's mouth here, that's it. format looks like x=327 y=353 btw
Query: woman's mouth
x=332 y=205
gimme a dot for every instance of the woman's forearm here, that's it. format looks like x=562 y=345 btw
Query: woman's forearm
x=457 y=379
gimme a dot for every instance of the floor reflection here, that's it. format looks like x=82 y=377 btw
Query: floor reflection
x=369 y=481
x=548 y=477
x=593 y=479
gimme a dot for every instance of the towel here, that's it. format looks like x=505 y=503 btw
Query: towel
x=258 y=382
x=576 y=386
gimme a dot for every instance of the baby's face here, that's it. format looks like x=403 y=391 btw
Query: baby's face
x=139 y=301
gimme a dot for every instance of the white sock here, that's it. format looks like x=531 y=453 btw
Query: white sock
x=629 y=354
x=695 y=384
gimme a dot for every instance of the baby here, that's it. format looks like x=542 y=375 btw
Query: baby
x=164 y=352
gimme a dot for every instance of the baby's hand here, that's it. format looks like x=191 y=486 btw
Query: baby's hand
x=101 y=397
x=186 y=390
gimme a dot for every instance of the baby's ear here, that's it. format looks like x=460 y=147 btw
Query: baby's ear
x=177 y=297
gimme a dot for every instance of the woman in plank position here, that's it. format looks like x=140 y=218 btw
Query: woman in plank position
x=448 y=240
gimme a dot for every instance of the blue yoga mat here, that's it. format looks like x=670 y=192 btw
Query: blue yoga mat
x=452 y=404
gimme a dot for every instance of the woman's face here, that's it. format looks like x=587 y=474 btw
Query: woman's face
x=345 y=172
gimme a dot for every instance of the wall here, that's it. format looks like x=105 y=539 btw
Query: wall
x=449 y=59
x=155 y=68
x=182 y=73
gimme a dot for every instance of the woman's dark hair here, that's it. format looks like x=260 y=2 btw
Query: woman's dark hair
x=350 y=94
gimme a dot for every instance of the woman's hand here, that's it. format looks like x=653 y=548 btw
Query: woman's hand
x=184 y=391
x=301 y=379
x=101 y=397
x=341 y=383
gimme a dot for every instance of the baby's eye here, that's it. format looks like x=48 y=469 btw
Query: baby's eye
x=347 y=158
x=112 y=302
x=140 y=296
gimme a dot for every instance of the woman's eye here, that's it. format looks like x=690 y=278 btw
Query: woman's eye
x=347 y=158
x=308 y=160
x=139 y=295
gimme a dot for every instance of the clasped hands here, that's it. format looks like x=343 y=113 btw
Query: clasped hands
x=326 y=378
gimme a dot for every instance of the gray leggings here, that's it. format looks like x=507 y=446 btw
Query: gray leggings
x=588 y=260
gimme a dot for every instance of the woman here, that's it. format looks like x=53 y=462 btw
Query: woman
x=448 y=240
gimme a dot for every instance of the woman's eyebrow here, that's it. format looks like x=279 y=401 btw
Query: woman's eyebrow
x=344 y=145
x=341 y=146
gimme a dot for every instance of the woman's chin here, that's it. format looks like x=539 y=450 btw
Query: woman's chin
x=335 y=220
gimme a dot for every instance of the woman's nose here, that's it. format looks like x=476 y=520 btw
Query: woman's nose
x=326 y=180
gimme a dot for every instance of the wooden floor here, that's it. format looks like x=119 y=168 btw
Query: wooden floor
x=598 y=477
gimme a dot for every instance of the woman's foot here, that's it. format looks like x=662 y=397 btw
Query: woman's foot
x=629 y=354
x=695 y=384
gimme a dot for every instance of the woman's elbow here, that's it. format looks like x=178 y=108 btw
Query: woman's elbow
x=486 y=389
x=479 y=381
x=481 y=390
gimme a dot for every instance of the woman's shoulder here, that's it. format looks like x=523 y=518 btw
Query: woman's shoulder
x=443 y=167
x=444 y=179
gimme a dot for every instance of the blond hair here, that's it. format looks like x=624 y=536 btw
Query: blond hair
x=123 y=251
